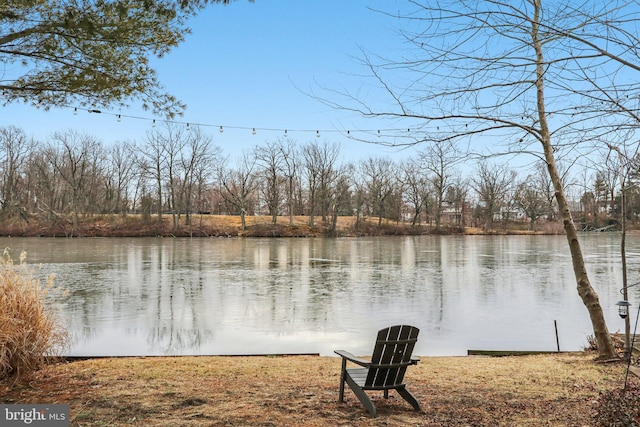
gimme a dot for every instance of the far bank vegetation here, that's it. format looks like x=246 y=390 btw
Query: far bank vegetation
x=177 y=182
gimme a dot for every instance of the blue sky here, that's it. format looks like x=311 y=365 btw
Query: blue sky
x=247 y=65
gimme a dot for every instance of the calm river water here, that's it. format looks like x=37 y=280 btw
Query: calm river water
x=256 y=296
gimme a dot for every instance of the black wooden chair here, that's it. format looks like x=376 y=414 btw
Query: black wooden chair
x=389 y=361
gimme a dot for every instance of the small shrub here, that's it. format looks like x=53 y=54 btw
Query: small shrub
x=592 y=344
x=618 y=408
x=29 y=330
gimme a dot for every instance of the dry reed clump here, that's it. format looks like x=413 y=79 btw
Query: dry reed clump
x=29 y=330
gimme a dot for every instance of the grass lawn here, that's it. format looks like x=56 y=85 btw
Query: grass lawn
x=536 y=390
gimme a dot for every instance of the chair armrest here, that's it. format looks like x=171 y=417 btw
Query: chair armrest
x=352 y=358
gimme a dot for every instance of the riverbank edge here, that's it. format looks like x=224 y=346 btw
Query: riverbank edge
x=231 y=226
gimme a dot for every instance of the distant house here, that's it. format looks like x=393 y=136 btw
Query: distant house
x=510 y=214
x=456 y=215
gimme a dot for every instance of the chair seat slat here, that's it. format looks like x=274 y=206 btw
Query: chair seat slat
x=390 y=365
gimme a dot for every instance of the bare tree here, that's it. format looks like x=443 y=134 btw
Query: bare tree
x=501 y=70
x=239 y=185
x=608 y=179
x=15 y=149
x=270 y=163
x=203 y=158
x=341 y=195
x=73 y=160
x=359 y=197
x=531 y=200
x=329 y=173
x=94 y=200
x=626 y=162
x=119 y=177
x=378 y=177
x=542 y=182
x=601 y=191
x=311 y=171
x=417 y=187
x=152 y=161
x=46 y=184
x=289 y=170
x=196 y=161
x=170 y=141
x=493 y=183
x=319 y=163
x=439 y=159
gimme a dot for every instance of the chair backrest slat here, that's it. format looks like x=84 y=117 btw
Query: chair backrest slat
x=391 y=355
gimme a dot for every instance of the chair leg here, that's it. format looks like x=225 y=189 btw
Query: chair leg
x=362 y=396
x=343 y=372
x=406 y=395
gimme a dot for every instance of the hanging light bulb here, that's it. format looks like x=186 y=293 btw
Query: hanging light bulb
x=348 y=134
x=317 y=134
x=75 y=111
x=221 y=130
x=119 y=118
x=153 y=123
x=253 y=131
x=378 y=133
x=285 y=132
x=188 y=126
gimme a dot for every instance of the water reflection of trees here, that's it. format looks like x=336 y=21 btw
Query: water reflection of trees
x=172 y=296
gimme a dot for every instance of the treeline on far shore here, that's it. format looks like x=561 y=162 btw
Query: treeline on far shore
x=207 y=225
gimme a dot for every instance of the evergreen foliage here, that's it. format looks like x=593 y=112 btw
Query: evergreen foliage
x=92 y=53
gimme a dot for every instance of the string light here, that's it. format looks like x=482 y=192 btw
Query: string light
x=254 y=130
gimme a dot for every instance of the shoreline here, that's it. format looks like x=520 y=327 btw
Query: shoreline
x=255 y=226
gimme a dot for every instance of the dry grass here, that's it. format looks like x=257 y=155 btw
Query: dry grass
x=541 y=390
x=29 y=330
x=208 y=225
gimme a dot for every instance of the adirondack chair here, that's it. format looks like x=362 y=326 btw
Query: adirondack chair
x=389 y=361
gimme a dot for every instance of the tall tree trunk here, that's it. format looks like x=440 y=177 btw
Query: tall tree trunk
x=243 y=219
x=606 y=349
x=290 y=200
